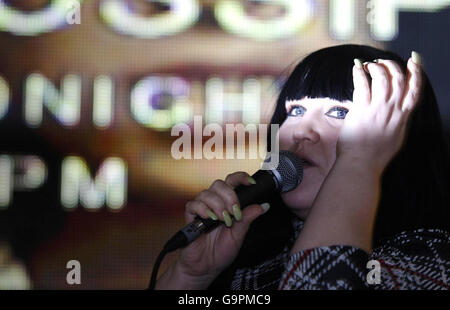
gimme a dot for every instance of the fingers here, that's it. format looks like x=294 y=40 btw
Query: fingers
x=220 y=201
x=381 y=87
x=414 y=83
x=392 y=94
x=361 y=93
x=217 y=203
x=249 y=215
x=389 y=84
x=238 y=178
x=228 y=196
x=196 y=207
x=397 y=80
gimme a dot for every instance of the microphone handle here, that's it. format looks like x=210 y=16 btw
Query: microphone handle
x=266 y=185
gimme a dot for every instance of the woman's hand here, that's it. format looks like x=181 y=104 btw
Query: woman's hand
x=201 y=261
x=375 y=127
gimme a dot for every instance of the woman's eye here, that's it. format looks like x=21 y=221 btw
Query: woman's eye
x=296 y=110
x=337 y=112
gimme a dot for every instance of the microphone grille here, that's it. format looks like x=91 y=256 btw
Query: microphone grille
x=289 y=172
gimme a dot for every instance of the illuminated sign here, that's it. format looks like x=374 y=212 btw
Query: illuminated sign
x=182 y=15
x=58 y=14
x=4 y=97
x=65 y=106
x=342 y=19
x=382 y=15
x=29 y=172
x=232 y=17
x=156 y=102
x=109 y=185
x=102 y=109
x=170 y=92
x=20 y=173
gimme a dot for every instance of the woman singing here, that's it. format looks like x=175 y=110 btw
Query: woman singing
x=375 y=187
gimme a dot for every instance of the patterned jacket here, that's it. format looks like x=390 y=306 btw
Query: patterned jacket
x=415 y=260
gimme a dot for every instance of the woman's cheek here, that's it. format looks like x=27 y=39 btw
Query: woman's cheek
x=331 y=150
x=335 y=123
x=285 y=137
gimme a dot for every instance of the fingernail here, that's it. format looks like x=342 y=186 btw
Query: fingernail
x=237 y=212
x=212 y=215
x=416 y=58
x=376 y=60
x=251 y=180
x=365 y=66
x=227 y=218
x=265 y=206
x=358 y=63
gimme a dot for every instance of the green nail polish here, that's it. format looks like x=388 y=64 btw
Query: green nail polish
x=251 y=180
x=227 y=218
x=416 y=58
x=237 y=212
x=212 y=215
x=358 y=63
x=265 y=207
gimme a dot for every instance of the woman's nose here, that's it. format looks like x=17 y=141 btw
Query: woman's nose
x=306 y=131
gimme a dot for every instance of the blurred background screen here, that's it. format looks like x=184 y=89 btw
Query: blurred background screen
x=91 y=90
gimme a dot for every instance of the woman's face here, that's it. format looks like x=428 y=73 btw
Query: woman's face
x=311 y=131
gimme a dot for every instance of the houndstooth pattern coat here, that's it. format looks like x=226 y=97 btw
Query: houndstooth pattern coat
x=415 y=260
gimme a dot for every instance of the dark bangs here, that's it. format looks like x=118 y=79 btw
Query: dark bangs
x=321 y=75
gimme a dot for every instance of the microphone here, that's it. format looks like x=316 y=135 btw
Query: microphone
x=284 y=178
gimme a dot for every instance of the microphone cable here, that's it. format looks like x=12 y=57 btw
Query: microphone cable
x=177 y=241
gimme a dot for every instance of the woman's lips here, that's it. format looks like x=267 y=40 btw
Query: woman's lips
x=307 y=161
x=307 y=164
